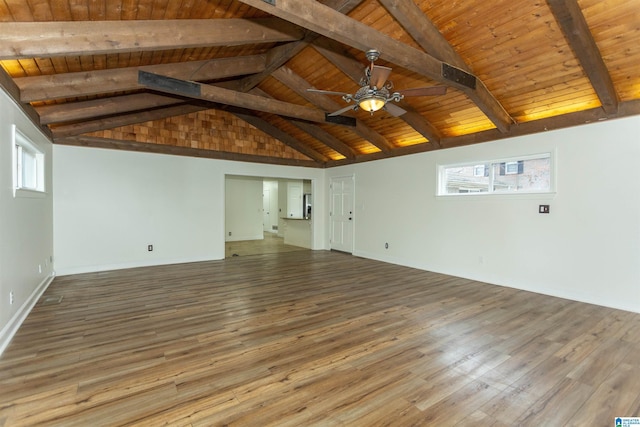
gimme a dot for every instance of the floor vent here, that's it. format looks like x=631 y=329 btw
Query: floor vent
x=52 y=300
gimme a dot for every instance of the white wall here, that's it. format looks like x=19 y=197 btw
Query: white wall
x=243 y=208
x=26 y=227
x=110 y=205
x=586 y=249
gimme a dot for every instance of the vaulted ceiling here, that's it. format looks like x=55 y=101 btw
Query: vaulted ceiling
x=229 y=79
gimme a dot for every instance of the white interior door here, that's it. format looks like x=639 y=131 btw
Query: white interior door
x=341 y=214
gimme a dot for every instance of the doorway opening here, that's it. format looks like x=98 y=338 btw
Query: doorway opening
x=267 y=215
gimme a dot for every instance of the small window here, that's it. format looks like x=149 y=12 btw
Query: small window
x=28 y=165
x=528 y=174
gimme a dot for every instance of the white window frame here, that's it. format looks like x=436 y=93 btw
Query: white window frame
x=442 y=183
x=21 y=144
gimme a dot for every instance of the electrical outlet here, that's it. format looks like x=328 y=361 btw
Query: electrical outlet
x=229 y=233
x=386 y=246
x=150 y=248
x=11 y=298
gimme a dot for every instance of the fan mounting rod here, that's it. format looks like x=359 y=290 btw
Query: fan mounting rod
x=373 y=55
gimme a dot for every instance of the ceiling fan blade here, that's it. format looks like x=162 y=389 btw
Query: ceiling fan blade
x=379 y=75
x=394 y=110
x=343 y=110
x=424 y=91
x=327 y=92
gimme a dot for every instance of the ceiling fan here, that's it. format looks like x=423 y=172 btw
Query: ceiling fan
x=375 y=91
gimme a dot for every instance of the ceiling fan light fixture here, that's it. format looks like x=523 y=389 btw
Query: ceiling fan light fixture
x=375 y=91
x=372 y=103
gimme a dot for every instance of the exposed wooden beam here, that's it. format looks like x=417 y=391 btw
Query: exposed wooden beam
x=94 y=142
x=138 y=102
x=279 y=55
x=69 y=112
x=14 y=93
x=67 y=38
x=576 y=30
x=338 y=56
x=70 y=85
x=116 y=105
x=75 y=111
x=342 y=6
x=230 y=97
x=420 y=125
x=276 y=57
x=354 y=70
x=315 y=131
x=424 y=32
x=326 y=138
x=74 y=129
x=326 y=21
x=296 y=83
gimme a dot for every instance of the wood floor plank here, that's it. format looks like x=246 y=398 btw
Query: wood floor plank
x=299 y=337
x=559 y=404
x=616 y=395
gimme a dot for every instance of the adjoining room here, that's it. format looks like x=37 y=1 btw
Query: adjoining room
x=267 y=215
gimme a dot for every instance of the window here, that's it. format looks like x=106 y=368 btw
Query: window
x=527 y=174
x=28 y=165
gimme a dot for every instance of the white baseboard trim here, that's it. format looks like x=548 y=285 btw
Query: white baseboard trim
x=243 y=238
x=67 y=271
x=7 y=333
x=619 y=303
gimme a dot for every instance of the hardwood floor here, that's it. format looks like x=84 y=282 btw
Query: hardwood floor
x=271 y=244
x=314 y=338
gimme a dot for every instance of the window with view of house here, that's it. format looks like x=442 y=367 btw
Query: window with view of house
x=28 y=165
x=527 y=174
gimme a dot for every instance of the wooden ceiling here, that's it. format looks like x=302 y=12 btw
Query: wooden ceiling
x=228 y=79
